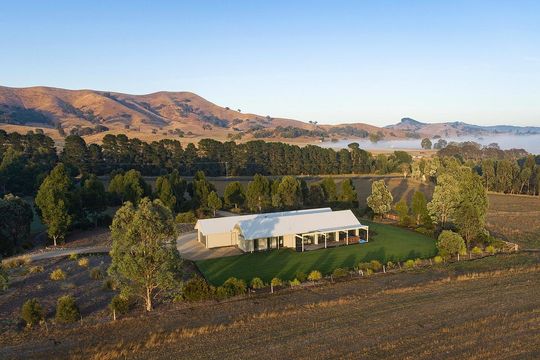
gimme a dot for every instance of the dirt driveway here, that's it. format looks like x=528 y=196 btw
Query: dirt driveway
x=191 y=249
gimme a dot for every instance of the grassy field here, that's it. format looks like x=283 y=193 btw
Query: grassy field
x=389 y=243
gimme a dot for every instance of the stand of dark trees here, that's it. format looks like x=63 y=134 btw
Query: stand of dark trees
x=470 y=150
x=512 y=171
x=26 y=159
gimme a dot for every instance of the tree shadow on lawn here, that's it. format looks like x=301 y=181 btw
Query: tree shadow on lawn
x=308 y=263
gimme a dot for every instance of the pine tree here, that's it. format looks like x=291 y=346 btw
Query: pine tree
x=329 y=187
x=402 y=209
x=93 y=198
x=380 y=200
x=290 y=192
x=258 y=194
x=164 y=192
x=348 y=193
x=234 y=195
x=214 y=202
x=419 y=208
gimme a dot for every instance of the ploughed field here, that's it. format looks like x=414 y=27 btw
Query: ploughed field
x=515 y=218
x=387 y=243
x=481 y=309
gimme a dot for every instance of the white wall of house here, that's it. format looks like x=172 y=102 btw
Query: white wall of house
x=219 y=240
x=289 y=241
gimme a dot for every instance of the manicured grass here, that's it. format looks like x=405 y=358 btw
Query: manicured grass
x=389 y=244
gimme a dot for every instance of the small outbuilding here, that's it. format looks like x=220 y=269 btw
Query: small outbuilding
x=301 y=229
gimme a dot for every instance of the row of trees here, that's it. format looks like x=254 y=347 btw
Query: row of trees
x=288 y=192
x=514 y=177
x=25 y=160
x=62 y=203
x=228 y=158
x=520 y=176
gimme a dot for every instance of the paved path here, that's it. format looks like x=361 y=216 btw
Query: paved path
x=191 y=249
x=59 y=252
x=187 y=244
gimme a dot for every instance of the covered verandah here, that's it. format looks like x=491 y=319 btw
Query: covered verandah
x=322 y=239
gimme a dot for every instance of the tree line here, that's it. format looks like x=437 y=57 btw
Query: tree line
x=521 y=176
x=64 y=202
x=27 y=159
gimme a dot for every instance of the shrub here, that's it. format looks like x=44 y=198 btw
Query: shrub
x=301 y=276
x=438 y=259
x=409 y=264
x=96 y=273
x=197 y=289
x=276 y=282
x=32 y=312
x=450 y=243
x=14 y=263
x=491 y=249
x=295 y=283
x=368 y=272
x=256 y=283
x=220 y=293
x=314 y=276
x=73 y=256
x=119 y=305
x=364 y=266
x=186 y=218
x=83 y=262
x=36 y=269
x=418 y=262
x=4 y=279
x=58 y=274
x=234 y=286
x=109 y=284
x=390 y=265
x=67 y=310
x=340 y=272
x=498 y=244
x=375 y=265
x=476 y=250
x=425 y=231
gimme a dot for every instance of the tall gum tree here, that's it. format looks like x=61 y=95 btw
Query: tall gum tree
x=145 y=261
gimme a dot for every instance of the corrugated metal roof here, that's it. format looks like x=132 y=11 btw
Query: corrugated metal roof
x=263 y=227
x=226 y=224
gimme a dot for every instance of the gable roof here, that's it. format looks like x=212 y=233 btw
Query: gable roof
x=227 y=224
x=264 y=227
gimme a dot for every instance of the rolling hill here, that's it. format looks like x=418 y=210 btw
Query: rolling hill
x=93 y=114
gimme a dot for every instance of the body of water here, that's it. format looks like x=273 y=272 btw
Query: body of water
x=530 y=143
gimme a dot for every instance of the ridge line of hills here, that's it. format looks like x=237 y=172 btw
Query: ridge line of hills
x=165 y=114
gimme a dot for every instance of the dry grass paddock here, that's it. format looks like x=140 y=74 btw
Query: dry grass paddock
x=458 y=310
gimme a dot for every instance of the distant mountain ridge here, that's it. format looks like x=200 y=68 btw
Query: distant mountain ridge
x=94 y=113
x=458 y=128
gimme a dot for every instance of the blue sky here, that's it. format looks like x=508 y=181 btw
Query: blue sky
x=329 y=61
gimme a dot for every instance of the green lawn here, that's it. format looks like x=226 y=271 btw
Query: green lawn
x=389 y=243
